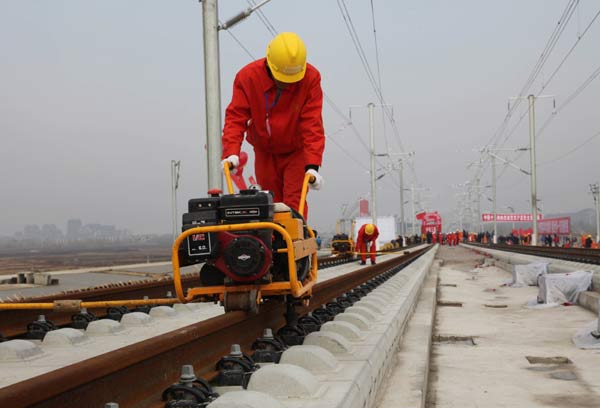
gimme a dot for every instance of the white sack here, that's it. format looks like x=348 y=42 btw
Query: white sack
x=527 y=275
x=563 y=287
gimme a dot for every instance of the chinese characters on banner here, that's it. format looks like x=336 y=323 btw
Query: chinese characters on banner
x=559 y=226
x=489 y=217
x=430 y=222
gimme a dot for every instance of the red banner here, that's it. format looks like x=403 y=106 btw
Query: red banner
x=363 y=208
x=430 y=222
x=559 y=226
x=489 y=217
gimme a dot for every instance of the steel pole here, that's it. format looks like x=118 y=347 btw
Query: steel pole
x=495 y=234
x=371 y=106
x=412 y=197
x=401 y=171
x=212 y=85
x=597 y=214
x=596 y=194
x=479 y=223
x=534 y=212
x=173 y=202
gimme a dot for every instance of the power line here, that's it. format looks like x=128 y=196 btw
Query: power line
x=364 y=60
x=342 y=148
x=358 y=46
x=365 y=63
x=385 y=138
x=264 y=19
x=572 y=96
x=239 y=42
x=552 y=41
x=579 y=37
x=336 y=109
x=546 y=52
x=537 y=69
x=595 y=135
x=569 y=99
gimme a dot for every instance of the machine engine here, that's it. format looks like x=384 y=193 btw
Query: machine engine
x=230 y=257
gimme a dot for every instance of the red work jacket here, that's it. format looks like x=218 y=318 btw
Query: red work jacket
x=294 y=120
x=364 y=237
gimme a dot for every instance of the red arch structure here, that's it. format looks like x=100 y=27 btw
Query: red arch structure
x=430 y=222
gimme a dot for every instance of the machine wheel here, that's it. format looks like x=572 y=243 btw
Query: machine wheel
x=302 y=268
x=246 y=301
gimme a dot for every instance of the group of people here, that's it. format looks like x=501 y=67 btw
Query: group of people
x=449 y=238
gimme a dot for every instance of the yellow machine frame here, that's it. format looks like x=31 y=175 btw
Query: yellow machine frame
x=350 y=241
x=294 y=249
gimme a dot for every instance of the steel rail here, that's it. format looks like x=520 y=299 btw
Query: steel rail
x=135 y=375
x=13 y=323
x=584 y=255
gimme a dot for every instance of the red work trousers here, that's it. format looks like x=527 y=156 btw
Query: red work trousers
x=283 y=174
x=366 y=246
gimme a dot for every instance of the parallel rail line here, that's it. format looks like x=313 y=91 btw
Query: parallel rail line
x=584 y=255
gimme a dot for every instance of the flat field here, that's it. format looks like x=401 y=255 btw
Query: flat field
x=15 y=261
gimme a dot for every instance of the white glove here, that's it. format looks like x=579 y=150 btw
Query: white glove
x=318 y=183
x=235 y=162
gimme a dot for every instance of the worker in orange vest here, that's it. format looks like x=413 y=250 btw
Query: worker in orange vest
x=366 y=242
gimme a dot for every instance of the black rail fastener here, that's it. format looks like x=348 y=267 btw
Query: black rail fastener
x=323 y=314
x=335 y=307
x=116 y=313
x=144 y=308
x=344 y=301
x=309 y=323
x=82 y=319
x=359 y=292
x=292 y=335
x=365 y=288
x=37 y=329
x=369 y=285
x=189 y=392
x=235 y=368
x=268 y=348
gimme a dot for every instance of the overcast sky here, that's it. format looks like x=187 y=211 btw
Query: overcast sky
x=97 y=97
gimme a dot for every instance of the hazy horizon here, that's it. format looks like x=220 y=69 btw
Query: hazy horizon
x=99 y=97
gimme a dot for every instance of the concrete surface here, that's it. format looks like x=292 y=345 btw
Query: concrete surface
x=492 y=371
x=407 y=384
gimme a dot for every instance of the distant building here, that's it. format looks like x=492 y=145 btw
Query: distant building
x=51 y=232
x=74 y=229
x=32 y=232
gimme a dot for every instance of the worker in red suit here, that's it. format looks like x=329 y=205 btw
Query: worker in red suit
x=366 y=242
x=277 y=102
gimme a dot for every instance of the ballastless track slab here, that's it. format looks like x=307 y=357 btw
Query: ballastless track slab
x=136 y=375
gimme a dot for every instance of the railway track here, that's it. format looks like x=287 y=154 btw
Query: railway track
x=584 y=255
x=137 y=374
x=13 y=324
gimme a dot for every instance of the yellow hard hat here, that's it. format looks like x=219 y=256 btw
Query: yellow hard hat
x=370 y=229
x=286 y=57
